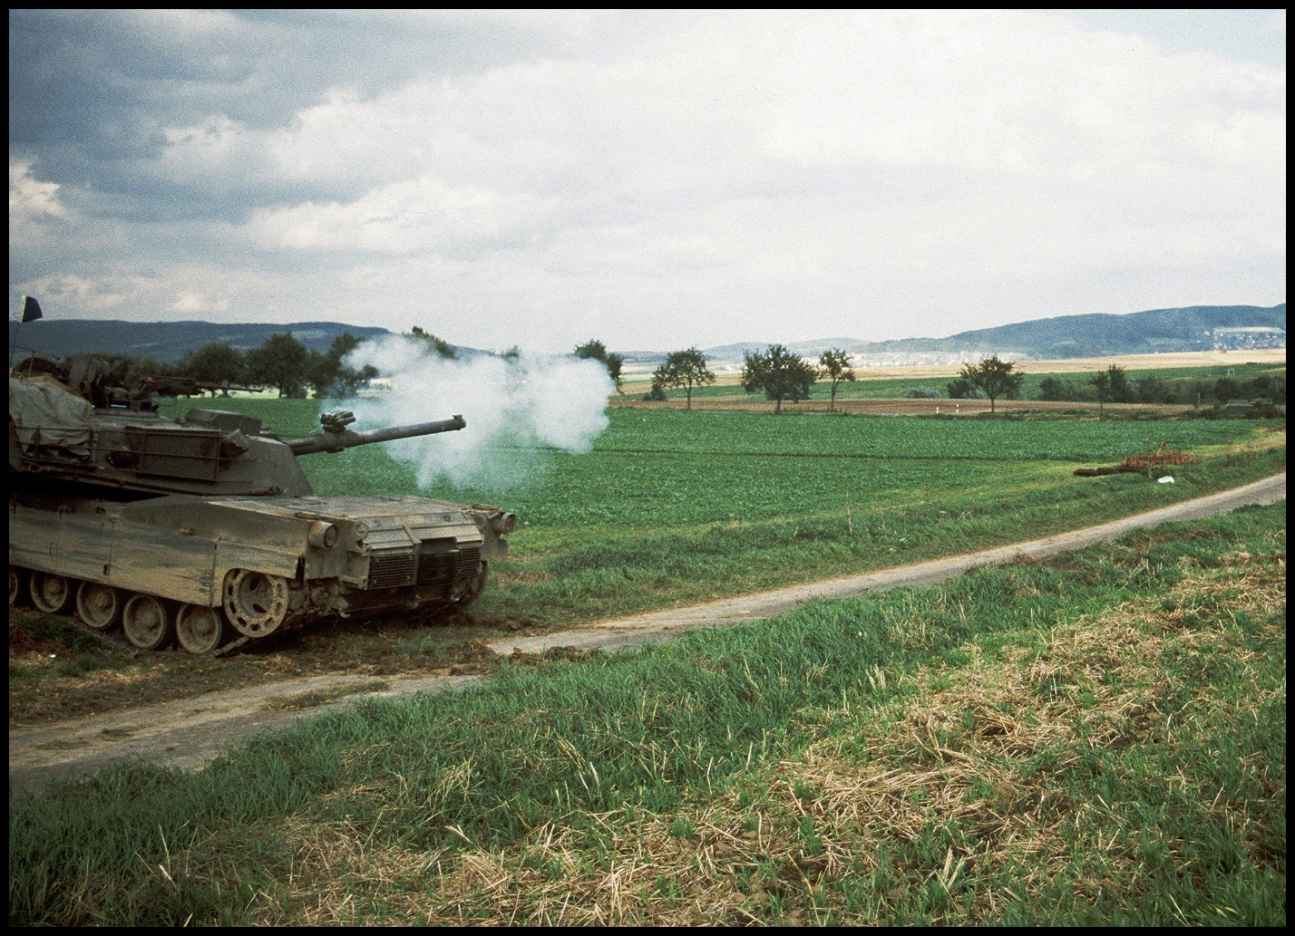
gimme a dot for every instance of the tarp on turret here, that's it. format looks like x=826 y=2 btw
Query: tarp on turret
x=46 y=414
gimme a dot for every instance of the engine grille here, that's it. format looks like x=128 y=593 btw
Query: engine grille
x=437 y=564
x=392 y=569
x=441 y=564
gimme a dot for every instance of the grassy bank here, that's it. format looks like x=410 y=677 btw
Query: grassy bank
x=1096 y=739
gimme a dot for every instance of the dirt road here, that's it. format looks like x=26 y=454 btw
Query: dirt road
x=191 y=733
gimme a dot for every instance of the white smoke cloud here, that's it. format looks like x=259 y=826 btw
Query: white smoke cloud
x=515 y=411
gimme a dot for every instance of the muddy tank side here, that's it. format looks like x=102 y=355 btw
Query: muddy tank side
x=262 y=564
x=207 y=525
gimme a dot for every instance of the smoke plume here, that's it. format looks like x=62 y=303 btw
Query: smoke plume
x=516 y=411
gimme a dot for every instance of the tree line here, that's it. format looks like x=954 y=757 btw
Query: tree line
x=286 y=365
x=784 y=376
x=1114 y=385
x=777 y=372
x=281 y=362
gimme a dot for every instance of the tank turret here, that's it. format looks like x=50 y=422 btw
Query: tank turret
x=58 y=434
x=206 y=523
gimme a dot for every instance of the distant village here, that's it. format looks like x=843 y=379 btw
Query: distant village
x=1257 y=336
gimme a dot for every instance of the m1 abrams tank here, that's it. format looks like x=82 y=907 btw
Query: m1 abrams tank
x=205 y=527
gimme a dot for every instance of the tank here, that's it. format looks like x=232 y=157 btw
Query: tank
x=204 y=528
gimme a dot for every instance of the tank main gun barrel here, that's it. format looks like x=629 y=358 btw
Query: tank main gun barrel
x=336 y=436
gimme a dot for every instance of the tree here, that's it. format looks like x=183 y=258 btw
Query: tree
x=596 y=350
x=281 y=362
x=685 y=369
x=1225 y=389
x=215 y=363
x=1151 y=390
x=835 y=366
x=1121 y=390
x=1102 y=381
x=327 y=374
x=125 y=370
x=1112 y=385
x=994 y=378
x=781 y=374
x=1051 y=388
x=321 y=372
x=439 y=346
x=343 y=345
x=961 y=389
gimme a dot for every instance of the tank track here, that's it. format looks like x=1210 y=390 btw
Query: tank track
x=140 y=622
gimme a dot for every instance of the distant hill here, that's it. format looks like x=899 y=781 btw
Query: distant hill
x=167 y=342
x=1193 y=328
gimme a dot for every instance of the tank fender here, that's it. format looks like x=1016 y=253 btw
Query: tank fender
x=494 y=524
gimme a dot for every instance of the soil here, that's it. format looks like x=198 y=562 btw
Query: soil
x=191 y=731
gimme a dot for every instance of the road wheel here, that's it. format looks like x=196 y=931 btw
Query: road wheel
x=146 y=621
x=200 y=629
x=99 y=606
x=255 y=603
x=50 y=593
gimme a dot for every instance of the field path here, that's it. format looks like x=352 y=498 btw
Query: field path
x=194 y=731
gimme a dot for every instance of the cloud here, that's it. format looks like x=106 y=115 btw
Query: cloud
x=414 y=216
x=190 y=302
x=68 y=289
x=30 y=201
x=656 y=179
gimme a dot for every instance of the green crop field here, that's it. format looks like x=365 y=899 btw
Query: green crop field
x=673 y=507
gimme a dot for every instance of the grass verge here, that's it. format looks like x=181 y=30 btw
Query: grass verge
x=1095 y=739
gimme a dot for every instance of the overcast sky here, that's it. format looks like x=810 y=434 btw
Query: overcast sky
x=653 y=180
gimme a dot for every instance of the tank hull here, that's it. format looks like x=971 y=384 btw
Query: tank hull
x=262 y=563
x=205 y=525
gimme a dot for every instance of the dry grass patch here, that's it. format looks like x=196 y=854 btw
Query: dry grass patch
x=972 y=774
x=984 y=752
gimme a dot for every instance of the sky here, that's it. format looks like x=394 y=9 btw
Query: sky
x=653 y=180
